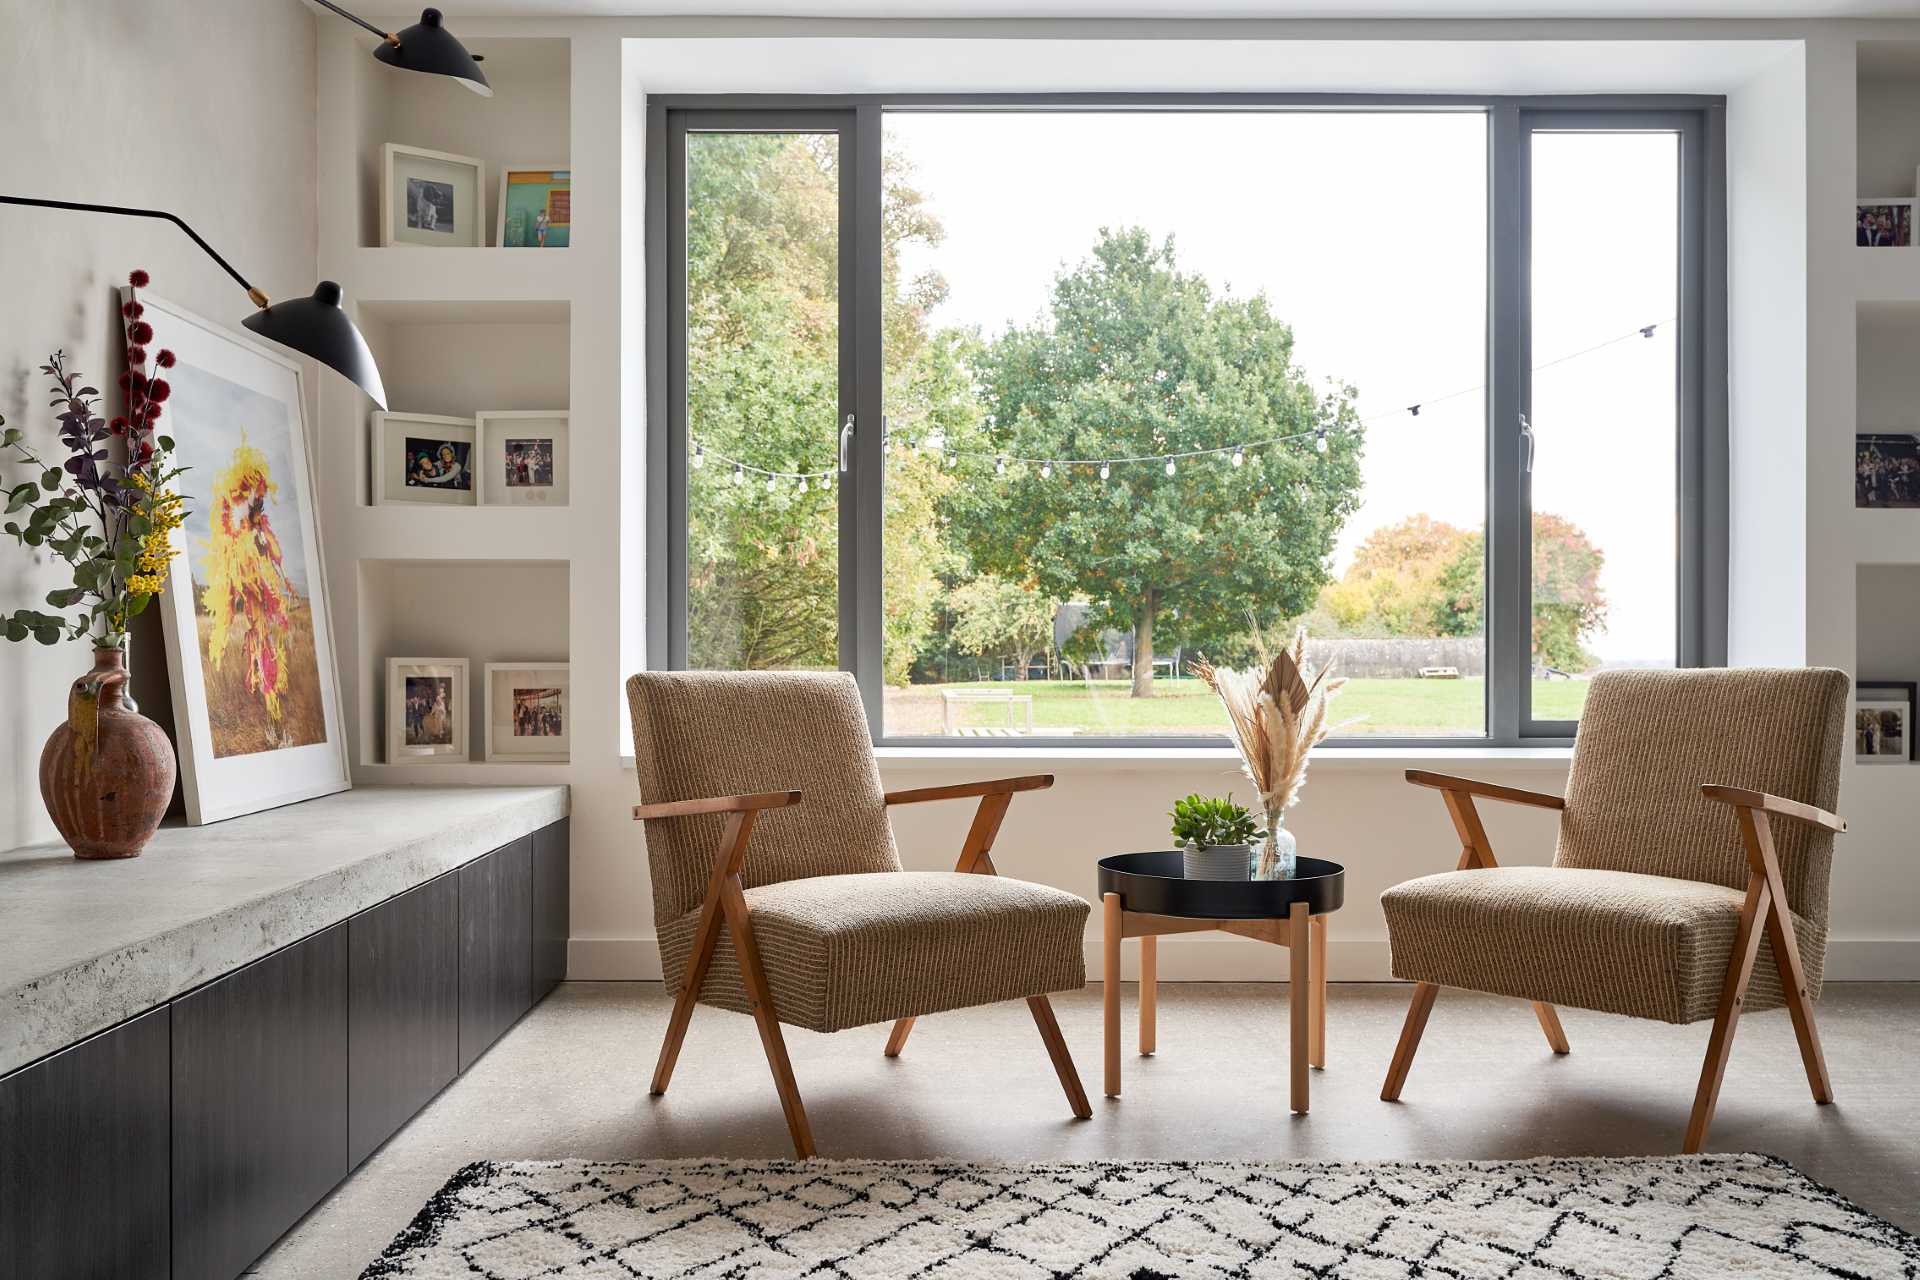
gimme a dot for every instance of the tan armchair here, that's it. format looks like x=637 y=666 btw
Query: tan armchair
x=1689 y=881
x=826 y=930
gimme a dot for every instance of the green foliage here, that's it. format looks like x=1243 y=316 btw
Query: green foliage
x=1137 y=358
x=1204 y=821
x=1002 y=619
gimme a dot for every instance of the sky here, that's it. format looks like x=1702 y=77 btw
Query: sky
x=1366 y=231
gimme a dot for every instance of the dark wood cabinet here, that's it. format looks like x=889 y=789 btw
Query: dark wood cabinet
x=83 y=1158
x=550 y=914
x=496 y=945
x=403 y=1009
x=259 y=1103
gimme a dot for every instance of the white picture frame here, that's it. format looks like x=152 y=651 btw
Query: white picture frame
x=512 y=475
x=511 y=733
x=237 y=411
x=397 y=472
x=503 y=212
x=421 y=190
x=423 y=738
x=1882 y=730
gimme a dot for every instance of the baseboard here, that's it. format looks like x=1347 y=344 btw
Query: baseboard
x=1219 y=957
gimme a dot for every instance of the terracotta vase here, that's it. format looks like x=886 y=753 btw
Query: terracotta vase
x=106 y=775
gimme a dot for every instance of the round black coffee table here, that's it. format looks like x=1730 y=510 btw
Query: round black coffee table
x=1145 y=895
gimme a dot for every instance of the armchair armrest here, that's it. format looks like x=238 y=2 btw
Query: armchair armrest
x=1747 y=798
x=962 y=790
x=1488 y=790
x=716 y=804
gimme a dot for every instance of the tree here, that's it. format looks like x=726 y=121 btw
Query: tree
x=1136 y=358
x=1002 y=619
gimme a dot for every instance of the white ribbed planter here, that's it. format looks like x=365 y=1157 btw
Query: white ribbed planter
x=1216 y=861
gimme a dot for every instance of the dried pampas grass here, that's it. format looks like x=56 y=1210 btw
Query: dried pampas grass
x=1278 y=714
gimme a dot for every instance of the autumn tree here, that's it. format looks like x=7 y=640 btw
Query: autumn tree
x=1137 y=358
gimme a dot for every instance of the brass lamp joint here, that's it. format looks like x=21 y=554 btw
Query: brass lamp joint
x=258 y=299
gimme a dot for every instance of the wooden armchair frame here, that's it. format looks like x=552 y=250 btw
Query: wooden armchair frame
x=725 y=905
x=1764 y=913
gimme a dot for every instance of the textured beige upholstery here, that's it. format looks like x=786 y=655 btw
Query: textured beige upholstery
x=1638 y=913
x=846 y=937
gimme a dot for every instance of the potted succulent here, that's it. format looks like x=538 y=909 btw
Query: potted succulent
x=1215 y=836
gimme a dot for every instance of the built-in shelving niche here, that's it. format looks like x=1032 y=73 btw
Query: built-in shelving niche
x=525 y=122
x=508 y=610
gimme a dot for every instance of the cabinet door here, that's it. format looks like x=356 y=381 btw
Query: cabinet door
x=259 y=1103
x=550 y=911
x=496 y=945
x=403 y=1009
x=83 y=1158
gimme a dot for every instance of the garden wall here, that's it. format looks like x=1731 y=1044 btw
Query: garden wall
x=1400 y=656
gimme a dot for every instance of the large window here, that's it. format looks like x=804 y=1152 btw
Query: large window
x=1016 y=411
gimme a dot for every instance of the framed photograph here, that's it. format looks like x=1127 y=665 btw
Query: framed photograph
x=1883 y=721
x=1884 y=224
x=523 y=458
x=536 y=207
x=426 y=710
x=529 y=711
x=1886 y=469
x=424 y=457
x=249 y=639
x=430 y=198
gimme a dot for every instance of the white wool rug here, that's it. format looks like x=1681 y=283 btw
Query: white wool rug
x=1626 y=1219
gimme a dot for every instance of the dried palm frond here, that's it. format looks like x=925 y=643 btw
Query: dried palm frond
x=1277 y=714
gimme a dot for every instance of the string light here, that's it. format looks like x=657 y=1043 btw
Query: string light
x=1105 y=471
x=1000 y=465
x=1239 y=456
x=1046 y=471
x=739 y=474
x=1319 y=441
x=769 y=482
x=699 y=455
x=1170 y=467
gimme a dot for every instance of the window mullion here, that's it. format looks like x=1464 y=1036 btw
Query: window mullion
x=863 y=394
x=1506 y=606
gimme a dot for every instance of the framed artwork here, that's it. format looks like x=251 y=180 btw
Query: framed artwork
x=523 y=458
x=430 y=198
x=1884 y=224
x=536 y=207
x=1883 y=721
x=256 y=696
x=529 y=711
x=1886 y=469
x=426 y=710
x=424 y=457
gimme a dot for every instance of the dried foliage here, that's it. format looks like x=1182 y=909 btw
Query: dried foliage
x=1279 y=714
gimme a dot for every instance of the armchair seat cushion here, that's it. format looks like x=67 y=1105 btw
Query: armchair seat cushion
x=848 y=950
x=1617 y=941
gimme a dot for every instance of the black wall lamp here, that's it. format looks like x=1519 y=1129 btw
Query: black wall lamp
x=426 y=46
x=313 y=326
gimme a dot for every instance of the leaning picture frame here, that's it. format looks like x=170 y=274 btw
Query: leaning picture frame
x=535 y=207
x=248 y=631
x=529 y=712
x=426 y=458
x=427 y=701
x=1883 y=721
x=523 y=457
x=432 y=199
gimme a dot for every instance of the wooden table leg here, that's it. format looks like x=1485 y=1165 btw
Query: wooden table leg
x=1299 y=999
x=1317 y=1043
x=1111 y=912
x=1149 y=990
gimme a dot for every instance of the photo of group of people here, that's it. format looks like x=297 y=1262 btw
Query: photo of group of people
x=1886 y=469
x=537 y=713
x=529 y=463
x=1883 y=226
x=439 y=464
x=503 y=457
x=429 y=711
x=528 y=711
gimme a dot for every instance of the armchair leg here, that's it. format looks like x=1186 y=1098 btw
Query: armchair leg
x=1416 y=1024
x=1733 y=994
x=897 y=1038
x=755 y=979
x=698 y=963
x=1793 y=981
x=1550 y=1023
x=1062 y=1059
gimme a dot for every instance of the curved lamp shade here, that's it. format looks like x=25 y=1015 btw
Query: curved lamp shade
x=427 y=46
x=316 y=326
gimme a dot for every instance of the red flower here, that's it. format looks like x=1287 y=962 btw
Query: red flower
x=118 y=426
x=136 y=355
x=146 y=450
x=159 y=389
x=140 y=331
x=125 y=381
x=139 y=380
x=139 y=278
x=153 y=412
x=164 y=359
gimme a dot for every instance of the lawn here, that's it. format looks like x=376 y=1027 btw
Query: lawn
x=1104 y=707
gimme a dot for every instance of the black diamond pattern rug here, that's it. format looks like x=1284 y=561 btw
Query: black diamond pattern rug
x=1625 y=1219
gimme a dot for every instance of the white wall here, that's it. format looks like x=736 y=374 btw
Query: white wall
x=207 y=113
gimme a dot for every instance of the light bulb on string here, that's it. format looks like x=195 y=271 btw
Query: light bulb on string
x=699 y=455
x=769 y=482
x=1239 y=456
x=739 y=474
x=1046 y=471
x=1000 y=465
x=826 y=481
x=1320 y=439
x=803 y=484
x=1105 y=471
x=1170 y=467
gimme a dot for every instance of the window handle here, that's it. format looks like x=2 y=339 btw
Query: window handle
x=1526 y=433
x=846 y=438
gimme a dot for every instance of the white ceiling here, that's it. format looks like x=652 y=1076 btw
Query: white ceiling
x=1093 y=9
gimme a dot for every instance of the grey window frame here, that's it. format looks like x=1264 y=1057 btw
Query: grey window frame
x=1701 y=497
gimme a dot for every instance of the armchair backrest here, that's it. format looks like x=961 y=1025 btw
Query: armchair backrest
x=715 y=733
x=1649 y=738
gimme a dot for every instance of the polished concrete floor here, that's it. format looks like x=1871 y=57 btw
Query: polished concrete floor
x=571 y=1081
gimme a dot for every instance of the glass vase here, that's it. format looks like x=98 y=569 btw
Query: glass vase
x=1276 y=856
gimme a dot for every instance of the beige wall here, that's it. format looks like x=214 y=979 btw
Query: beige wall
x=206 y=110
